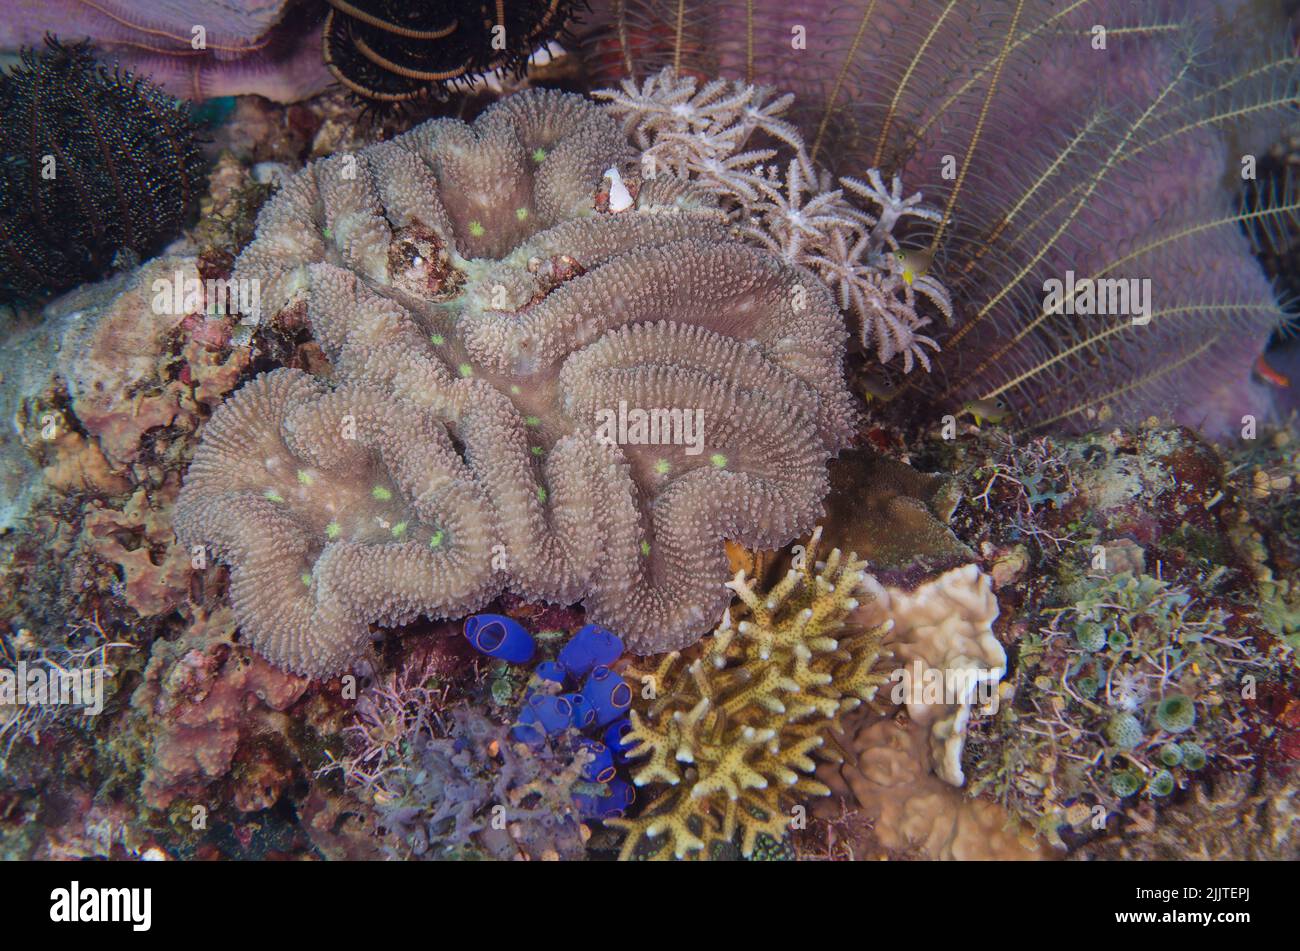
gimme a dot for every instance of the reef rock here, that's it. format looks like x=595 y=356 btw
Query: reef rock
x=99 y=380
x=912 y=811
x=209 y=703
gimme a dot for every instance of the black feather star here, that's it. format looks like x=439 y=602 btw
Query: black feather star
x=397 y=50
x=94 y=164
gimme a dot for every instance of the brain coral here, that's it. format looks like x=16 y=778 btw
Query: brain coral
x=487 y=293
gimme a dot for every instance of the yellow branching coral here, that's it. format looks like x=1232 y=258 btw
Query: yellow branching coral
x=734 y=733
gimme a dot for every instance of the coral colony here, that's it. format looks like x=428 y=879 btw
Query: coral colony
x=639 y=430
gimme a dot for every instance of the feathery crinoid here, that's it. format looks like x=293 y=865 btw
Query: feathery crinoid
x=1094 y=143
x=738 y=723
x=394 y=50
x=597 y=385
x=93 y=163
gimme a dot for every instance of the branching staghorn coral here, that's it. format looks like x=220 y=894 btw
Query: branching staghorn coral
x=487 y=295
x=734 y=729
x=1091 y=138
x=702 y=133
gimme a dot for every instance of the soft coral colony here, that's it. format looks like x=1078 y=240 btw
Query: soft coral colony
x=701 y=132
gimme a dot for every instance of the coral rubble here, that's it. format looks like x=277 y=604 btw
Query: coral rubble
x=1233 y=818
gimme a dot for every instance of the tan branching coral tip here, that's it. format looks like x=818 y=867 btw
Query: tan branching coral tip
x=488 y=296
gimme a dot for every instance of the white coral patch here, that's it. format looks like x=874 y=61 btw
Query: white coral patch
x=944 y=626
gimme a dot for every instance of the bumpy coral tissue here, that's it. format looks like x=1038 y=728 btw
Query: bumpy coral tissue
x=502 y=334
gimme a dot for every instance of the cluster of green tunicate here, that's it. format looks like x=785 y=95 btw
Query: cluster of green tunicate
x=1126 y=693
x=1161 y=782
x=1126 y=631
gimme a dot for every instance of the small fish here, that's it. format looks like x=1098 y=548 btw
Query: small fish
x=1269 y=375
x=914 y=262
x=991 y=408
x=874 y=387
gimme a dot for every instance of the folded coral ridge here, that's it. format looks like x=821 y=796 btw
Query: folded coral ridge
x=490 y=297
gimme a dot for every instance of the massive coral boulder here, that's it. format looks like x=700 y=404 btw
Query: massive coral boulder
x=504 y=305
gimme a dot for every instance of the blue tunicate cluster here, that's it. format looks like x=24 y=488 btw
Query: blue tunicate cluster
x=595 y=706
